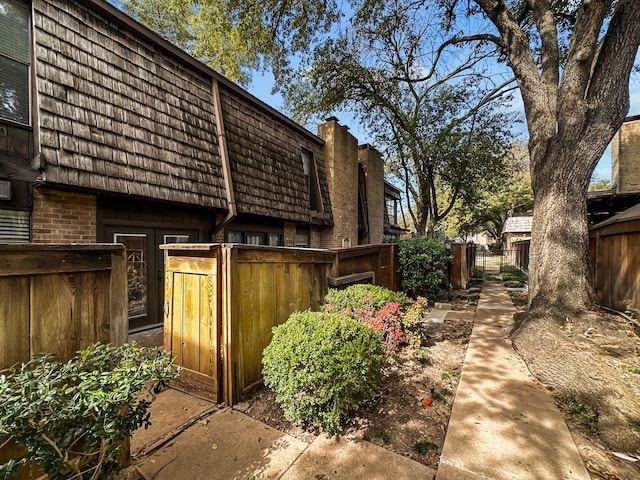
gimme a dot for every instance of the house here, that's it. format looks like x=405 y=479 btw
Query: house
x=108 y=133
x=515 y=229
x=625 y=175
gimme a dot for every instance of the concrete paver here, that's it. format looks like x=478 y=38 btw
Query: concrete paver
x=337 y=458
x=504 y=425
x=170 y=410
x=227 y=445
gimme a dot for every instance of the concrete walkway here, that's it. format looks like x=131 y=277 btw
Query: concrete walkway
x=193 y=439
x=504 y=425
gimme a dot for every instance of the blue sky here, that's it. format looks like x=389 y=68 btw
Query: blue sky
x=262 y=85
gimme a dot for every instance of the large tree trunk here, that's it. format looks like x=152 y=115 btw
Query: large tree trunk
x=561 y=299
x=560 y=281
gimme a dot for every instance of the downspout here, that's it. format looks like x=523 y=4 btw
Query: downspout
x=224 y=158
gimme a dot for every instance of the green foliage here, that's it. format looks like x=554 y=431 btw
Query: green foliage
x=135 y=284
x=322 y=367
x=598 y=185
x=423 y=447
x=413 y=322
x=382 y=309
x=441 y=395
x=423 y=263
x=423 y=356
x=513 y=274
x=512 y=195
x=361 y=295
x=72 y=417
x=445 y=134
x=586 y=415
x=237 y=37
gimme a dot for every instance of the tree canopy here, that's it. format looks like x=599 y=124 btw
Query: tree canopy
x=512 y=196
x=433 y=108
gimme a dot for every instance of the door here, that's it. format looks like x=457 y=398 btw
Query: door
x=145 y=270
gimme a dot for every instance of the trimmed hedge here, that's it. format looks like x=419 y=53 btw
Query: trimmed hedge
x=322 y=367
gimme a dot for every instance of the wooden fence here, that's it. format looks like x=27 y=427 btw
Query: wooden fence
x=463 y=263
x=59 y=299
x=376 y=264
x=221 y=304
x=615 y=263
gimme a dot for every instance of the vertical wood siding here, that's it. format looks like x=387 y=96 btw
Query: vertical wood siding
x=615 y=264
x=222 y=304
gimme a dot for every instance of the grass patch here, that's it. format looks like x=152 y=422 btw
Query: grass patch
x=586 y=415
x=441 y=395
x=423 y=447
x=422 y=356
x=384 y=436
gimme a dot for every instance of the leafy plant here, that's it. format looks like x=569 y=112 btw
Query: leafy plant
x=423 y=263
x=73 y=417
x=423 y=447
x=586 y=415
x=422 y=355
x=376 y=306
x=413 y=322
x=361 y=295
x=441 y=395
x=322 y=366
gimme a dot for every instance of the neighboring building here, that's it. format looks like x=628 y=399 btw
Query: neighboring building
x=108 y=133
x=515 y=229
x=625 y=175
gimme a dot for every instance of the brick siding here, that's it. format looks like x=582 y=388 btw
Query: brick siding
x=63 y=217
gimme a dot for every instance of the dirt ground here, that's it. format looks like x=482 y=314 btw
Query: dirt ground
x=610 y=339
x=398 y=418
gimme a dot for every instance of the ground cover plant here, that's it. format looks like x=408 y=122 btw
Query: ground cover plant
x=397 y=318
x=72 y=418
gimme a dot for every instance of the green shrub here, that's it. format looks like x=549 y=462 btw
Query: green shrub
x=376 y=306
x=73 y=417
x=361 y=295
x=413 y=322
x=322 y=367
x=423 y=264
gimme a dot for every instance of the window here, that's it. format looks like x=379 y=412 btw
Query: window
x=15 y=60
x=14 y=226
x=311 y=181
x=137 y=259
x=275 y=239
x=392 y=210
x=235 y=237
x=255 y=238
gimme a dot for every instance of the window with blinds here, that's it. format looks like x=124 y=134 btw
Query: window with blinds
x=14 y=226
x=15 y=60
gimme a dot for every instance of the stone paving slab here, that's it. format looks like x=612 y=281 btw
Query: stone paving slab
x=337 y=458
x=170 y=410
x=227 y=445
x=504 y=425
x=437 y=316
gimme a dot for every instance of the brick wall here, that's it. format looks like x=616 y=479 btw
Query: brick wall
x=625 y=158
x=341 y=159
x=374 y=169
x=289 y=234
x=63 y=217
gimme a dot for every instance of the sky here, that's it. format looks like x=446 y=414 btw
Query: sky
x=262 y=85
